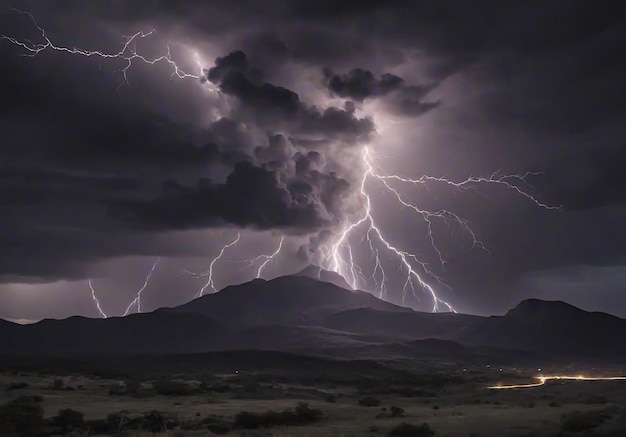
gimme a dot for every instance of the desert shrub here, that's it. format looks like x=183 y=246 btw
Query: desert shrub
x=57 y=384
x=154 y=422
x=408 y=430
x=116 y=422
x=248 y=420
x=97 y=427
x=397 y=411
x=330 y=397
x=16 y=385
x=69 y=420
x=369 y=401
x=302 y=414
x=554 y=404
x=435 y=407
x=169 y=387
x=22 y=417
x=577 y=421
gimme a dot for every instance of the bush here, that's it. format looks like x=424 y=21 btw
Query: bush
x=22 y=417
x=408 y=430
x=69 y=420
x=397 y=411
x=369 y=401
x=16 y=386
x=302 y=414
x=57 y=384
x=116 y=422
x=583 y=421
x=154 y=422
x=172 y=388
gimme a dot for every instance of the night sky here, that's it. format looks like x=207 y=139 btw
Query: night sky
x=104 y=169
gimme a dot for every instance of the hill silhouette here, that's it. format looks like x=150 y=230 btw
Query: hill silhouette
x=304 y=315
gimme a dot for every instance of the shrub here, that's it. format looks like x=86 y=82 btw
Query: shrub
x=116 y=422
x=69 y=420
x=302 y=414
x=577 y=421
x=22 y=417
x=16 y=386
x=369 y=401
x=397 y=411
x=154 y=422
x=172 y=388
x=408 y=430
x=57 y=384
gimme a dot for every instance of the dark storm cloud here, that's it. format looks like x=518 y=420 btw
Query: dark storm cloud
x=534 y=85
x=251 y=197
x=359 y=84
x=276 y=106
x=270 y=195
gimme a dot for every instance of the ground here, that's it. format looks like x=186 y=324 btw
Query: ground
x=453 y=402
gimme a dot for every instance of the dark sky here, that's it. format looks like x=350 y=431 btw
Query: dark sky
x=99 y=177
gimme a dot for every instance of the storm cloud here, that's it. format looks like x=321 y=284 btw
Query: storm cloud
x=93 y=169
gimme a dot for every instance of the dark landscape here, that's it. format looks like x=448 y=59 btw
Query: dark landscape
x=360 y=365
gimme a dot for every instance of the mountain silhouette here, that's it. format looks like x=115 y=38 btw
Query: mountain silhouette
x=304 y=315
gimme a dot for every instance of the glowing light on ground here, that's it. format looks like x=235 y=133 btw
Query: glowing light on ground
x=542 y=380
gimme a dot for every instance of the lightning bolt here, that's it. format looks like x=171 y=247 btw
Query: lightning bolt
x=267 y=259
x=128 y=53
x=416 y=272
x=137 y=300
x=209 y=272
x=95 y=300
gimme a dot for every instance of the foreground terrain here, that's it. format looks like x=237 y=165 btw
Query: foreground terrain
x=296 y=356
x=208 y=394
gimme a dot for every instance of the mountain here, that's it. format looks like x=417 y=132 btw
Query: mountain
x=552 y=327
x=396 y=324
x=316 y=272
x=162 y=331
x=304 y=315
x=288 y=300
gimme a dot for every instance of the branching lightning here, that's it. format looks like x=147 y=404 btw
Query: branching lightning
x=418 y=276
x=541 y=380
x=340 y=259
x=136 y=302
x=266 y=259
x=128 y=53
x=209 y=272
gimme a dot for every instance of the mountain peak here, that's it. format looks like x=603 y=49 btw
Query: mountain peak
x=316 y=272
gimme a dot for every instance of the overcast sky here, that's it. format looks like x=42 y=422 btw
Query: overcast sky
x=104 y=169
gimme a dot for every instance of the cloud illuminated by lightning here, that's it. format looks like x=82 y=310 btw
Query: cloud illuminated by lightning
x=337 y=256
